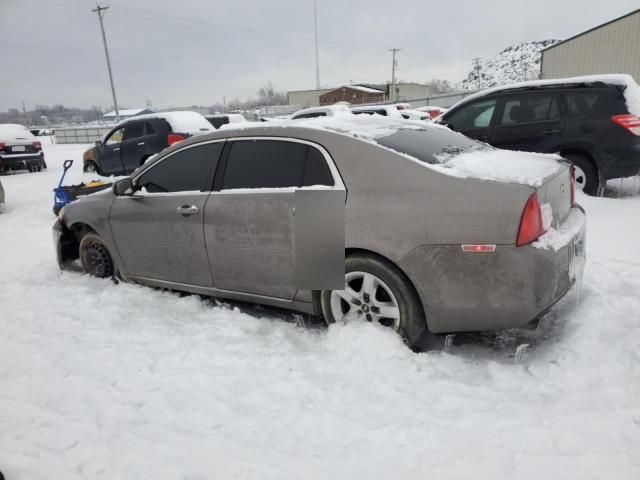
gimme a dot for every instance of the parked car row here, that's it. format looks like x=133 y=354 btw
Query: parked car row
x=214 y=214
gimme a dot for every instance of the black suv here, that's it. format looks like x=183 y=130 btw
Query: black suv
x=586 y=120
x=130 y=143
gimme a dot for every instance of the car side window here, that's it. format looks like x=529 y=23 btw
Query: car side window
x=187 y=170
x=274 y=164
x=133 y=130
x=115 y=137
x=476 y=115
x=148 y=128
x=580 y=103
x=530 y=108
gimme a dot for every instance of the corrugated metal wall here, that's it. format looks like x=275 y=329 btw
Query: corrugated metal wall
x=612 y=48
x=80 y=134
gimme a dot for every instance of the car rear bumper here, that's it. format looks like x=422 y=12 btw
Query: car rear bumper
x=621 y=160
x=19 y=162
x=509 y=288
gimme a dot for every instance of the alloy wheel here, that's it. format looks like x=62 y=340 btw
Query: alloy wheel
x=365 y=297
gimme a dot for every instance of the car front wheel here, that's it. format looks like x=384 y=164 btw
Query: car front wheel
x=90 y=167
x=95 y=257
x=376 y=291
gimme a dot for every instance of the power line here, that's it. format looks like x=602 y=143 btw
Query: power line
x=477 y=67
x=99 y=10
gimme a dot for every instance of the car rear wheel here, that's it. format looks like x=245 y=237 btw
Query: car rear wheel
x=376 y=291
x=95 y=257
x=587 y=178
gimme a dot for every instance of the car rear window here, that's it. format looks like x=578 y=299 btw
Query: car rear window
x=426 y=144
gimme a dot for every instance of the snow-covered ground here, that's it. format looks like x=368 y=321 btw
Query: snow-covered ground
x=109 y=381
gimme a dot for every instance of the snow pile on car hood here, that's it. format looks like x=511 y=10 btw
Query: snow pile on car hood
x=500 y=165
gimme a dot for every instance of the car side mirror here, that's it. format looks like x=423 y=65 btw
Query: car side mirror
x=123 y=187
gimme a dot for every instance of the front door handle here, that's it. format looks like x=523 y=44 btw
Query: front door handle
x=141 y=143
x=186 y=210
x=116 y=149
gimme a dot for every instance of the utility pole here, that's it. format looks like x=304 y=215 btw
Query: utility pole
x=477 y=66
x=394 y=64
x=99 y=10
x=315 y=25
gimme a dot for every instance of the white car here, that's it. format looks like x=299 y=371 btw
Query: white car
x=314 y=112
x=19 y=149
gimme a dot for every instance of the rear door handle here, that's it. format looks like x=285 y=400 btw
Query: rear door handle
x=186 y=210
x=116 y=149
x=141 y=143
x=551 y=132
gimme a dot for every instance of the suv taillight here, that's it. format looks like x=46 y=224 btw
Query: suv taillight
x=37 y=145
x=630 y=122
x=174 y=138
x=572 y=187
x=2 y=145
x=530 y=223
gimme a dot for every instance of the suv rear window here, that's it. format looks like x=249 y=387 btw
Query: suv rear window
x=426 y=144
x=580 y=103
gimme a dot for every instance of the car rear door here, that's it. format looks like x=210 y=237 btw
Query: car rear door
x=158 y=230
x=275 y=222
x=529 y=122
x=133 y=146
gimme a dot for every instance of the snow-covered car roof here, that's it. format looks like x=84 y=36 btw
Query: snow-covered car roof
x=180 y=121
x=14 y=131
x=392 y=110
x=233 y=117
x=631 y=88
x=331 y=109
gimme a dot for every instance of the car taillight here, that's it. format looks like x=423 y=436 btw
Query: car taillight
x=630 y=122
x=530 y=223
x=174 y=138
x=572 y=187
x=36 y=145
x=2 y=145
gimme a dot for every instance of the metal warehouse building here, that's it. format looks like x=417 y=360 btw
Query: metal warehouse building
x=613 y=47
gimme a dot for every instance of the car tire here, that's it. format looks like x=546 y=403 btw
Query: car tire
x=90 y=167
x=95 y=258
x=43 y=165
x=587 y=176
x=391 y=291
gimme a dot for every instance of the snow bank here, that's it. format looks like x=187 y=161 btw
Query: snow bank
x=501 y=165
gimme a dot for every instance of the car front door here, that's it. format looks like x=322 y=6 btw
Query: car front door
x=473 y=120
x=529 y=122
x=258 y=221
x=110 y=153
x=158 y=230
x=133 y=148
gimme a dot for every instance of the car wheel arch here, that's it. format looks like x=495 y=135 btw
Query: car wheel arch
x=349 y=251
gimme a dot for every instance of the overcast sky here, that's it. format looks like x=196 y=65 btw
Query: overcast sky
x=52 y=51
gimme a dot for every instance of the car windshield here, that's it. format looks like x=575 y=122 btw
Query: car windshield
x=428 y=145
